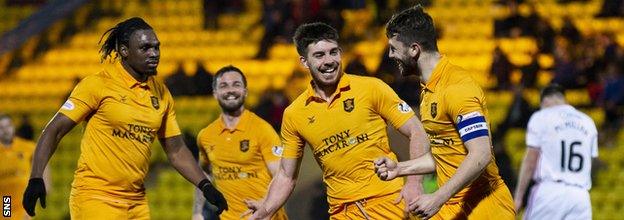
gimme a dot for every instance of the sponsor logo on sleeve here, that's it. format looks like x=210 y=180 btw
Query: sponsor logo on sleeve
x=404 y=107
x=68 y=105
x=277 y=150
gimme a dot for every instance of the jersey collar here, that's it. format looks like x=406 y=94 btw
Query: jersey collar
x=128 y=80
x=436 y=74
x=243 y=123
x=343 y=85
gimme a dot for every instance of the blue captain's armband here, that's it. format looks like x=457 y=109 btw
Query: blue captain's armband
x=471 y=125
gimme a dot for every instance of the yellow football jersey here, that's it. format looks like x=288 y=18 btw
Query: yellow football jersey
x=346 y=135
x=123 y=118
x=15 y=172
x=238 y=160
x=453 y=111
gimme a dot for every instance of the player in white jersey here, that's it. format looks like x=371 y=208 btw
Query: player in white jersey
x=561 y=143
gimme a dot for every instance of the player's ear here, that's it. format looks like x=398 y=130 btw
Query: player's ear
x=123 y=51
x=414 y=49
x=304 y=62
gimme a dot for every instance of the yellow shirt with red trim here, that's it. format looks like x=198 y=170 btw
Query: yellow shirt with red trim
x=453 y=111
x=346 y=135
x=238 y=159
x=123 y=118
x=15 y=169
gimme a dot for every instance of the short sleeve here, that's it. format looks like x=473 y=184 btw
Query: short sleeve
x=84 y=99
x=169 y=126
x=203 y=155
x=270 y=144
x=293 y=143
x=533 y=131
x=594 y=141
x=465 y=105
x=388 y=104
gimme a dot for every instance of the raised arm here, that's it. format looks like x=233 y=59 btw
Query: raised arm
x=52 y=134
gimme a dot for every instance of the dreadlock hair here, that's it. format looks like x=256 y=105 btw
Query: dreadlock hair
x=120 y=35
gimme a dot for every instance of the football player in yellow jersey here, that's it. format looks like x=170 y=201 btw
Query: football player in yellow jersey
x=125 y=110
x=343 y=119
x=454 y=115
x=16 y=156
x=242 y=150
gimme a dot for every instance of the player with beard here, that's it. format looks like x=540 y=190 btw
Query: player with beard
x=343 y=119
x=125 y=110
x=241 y=149
x=455 y=118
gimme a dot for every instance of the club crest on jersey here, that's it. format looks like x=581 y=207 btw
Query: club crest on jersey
x=244 y=145
x=434 y=109
x=155 y=103
x=348 y=105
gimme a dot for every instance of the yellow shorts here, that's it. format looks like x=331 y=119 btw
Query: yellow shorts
x=382 y=207
x=496 y=205
x=85 y=206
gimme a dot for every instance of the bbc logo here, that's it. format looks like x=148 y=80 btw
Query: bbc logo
x=6 y=206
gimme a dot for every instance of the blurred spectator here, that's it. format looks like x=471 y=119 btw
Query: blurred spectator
x=611 y=8
x=531 y=22
x=179 y=83
x=613 y=100
x=530 y=71
x=545 y=36
x=517 y=116
x=26 y=130
x=510 y=26
x=274 y=18
x=356 y=66
x=202 y=80
x=565 y=72
x=211 y=9
x=501 y=68
x=569 y=31
x=271 y=108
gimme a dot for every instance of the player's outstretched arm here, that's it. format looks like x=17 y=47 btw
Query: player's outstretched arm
x=280 y=189
x=388 y=169
x=52 y=134
x=183 y=161
x=479 y=156
x=526 y=172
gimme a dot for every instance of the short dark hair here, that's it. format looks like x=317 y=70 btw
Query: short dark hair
x=226 y=69
x=120 y=35
x=413 y=25
x=310 y=33
x=552 y=89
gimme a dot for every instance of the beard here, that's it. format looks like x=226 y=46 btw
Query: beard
x=231 y=107
x=408 y=67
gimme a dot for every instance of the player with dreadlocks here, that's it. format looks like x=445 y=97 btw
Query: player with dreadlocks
x=125 y=109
